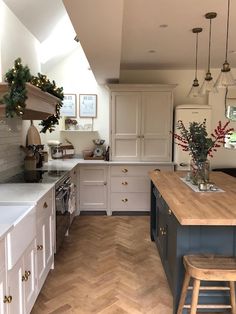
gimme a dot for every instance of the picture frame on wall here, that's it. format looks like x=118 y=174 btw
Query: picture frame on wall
x=88 y=105
x=69 y=106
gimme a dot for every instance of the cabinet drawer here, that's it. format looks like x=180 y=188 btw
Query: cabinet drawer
x=139 y=170
x=19 y=238
x=2 y=254
x=130 y=201
x=130 y=184
x=45 y=204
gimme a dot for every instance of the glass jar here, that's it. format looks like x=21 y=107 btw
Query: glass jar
x=199 y=171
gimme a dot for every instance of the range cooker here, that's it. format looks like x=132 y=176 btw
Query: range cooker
x=62 y=182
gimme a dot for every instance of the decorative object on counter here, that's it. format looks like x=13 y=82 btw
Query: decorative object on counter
x=15 y=98
x=33 y=136
x=87 y=154
x=88 y=106
x=202 y=187
x=99 y=149
x=69 y=108
x=226 y=77
x=68 y=149
x=208 y=83
x=71 y=124
x=194 y=91
x=107 y=154
x=195 y=140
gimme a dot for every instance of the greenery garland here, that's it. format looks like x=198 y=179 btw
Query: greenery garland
x=16 y=97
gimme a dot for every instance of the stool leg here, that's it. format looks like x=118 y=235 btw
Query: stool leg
x=196 y=286
x=183 y=293
x=232 y=296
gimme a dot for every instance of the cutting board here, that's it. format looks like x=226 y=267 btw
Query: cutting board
x=33 y=136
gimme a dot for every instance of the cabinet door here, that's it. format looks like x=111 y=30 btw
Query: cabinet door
x=3 y=294
x=126 y=118
x=15 y=288
x=44 y=247
x=156 y=139
x=93 y=188
x=29 y=273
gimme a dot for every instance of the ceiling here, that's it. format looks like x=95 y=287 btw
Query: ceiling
x=131 y=34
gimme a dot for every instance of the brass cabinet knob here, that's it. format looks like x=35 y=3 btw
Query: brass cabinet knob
x=105 y=183
x=139 y=136
x=124 y=170
x=27 y=273
x=24 y=278
x=163 y=232
x=7 y=299
x=45 y=205
x=40 y=247
x=169 y=211
x=125 y=200
x=124 y=183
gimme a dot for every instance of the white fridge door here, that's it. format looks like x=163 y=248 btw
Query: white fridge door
x=187 y=115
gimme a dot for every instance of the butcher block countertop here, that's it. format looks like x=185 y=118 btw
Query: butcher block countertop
x=198 y=208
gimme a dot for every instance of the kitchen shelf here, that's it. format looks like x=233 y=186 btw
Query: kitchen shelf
x=81 y=131
x=39 y=104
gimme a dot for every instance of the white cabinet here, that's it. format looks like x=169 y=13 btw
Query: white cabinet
x=45 y=237
x=130 y=186
x=21 y=285
x=93 y=187
x=141 y=121
x=4 y=297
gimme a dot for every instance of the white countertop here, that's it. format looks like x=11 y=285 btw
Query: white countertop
x=23 y=192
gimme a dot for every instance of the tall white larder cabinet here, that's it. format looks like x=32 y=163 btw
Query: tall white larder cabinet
x=141 y=121
x=189 y=113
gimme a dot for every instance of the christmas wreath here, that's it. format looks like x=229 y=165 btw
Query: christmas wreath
x=15 y=99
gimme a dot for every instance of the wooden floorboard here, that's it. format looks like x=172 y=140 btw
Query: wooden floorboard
x=107 y=265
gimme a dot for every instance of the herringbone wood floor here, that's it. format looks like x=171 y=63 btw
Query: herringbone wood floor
x=107 y=265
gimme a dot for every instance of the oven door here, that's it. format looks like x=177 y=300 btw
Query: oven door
x=62 y=215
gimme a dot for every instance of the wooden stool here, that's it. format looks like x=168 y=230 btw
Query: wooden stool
x=210 y=268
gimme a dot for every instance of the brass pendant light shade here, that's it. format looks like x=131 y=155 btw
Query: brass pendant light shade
x=195 y=89
x=208 y=83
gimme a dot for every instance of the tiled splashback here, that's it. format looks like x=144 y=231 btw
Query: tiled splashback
x=10 y=139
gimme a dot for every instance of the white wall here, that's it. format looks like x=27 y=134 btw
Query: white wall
x=15 y=41
x=73 y=74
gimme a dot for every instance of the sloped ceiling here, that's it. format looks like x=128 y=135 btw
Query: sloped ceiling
x=136 y=34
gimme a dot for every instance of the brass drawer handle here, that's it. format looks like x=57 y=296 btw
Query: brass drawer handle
x=45 y=205
x=124 y=183
x=40 y=247
x=7 y=299
x=125 y=200
x=124 y=170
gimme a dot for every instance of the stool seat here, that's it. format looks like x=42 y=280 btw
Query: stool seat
x=208 y=268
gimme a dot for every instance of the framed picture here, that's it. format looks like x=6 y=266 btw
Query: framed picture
x=87 y=106
x=69 y=108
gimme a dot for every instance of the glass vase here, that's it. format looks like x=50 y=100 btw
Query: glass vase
x=199 y=171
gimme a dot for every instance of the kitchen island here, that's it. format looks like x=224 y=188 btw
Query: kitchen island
x=187 y=222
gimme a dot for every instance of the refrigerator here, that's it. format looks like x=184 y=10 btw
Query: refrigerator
x=189 y=113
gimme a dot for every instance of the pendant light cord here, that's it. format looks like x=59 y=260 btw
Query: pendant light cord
x=196 y=56
x=227 y=33
x=209 y=49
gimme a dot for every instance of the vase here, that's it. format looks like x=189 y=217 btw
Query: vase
x=199 y=171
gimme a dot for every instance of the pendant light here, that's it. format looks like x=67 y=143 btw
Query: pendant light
x=226 y=77
x=208 y=83
x=194 y=91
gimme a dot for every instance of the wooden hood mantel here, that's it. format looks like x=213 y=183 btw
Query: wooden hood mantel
x=39 y=104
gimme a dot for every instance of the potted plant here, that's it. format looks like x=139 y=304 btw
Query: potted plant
x=70 y=123
x=196 y=141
